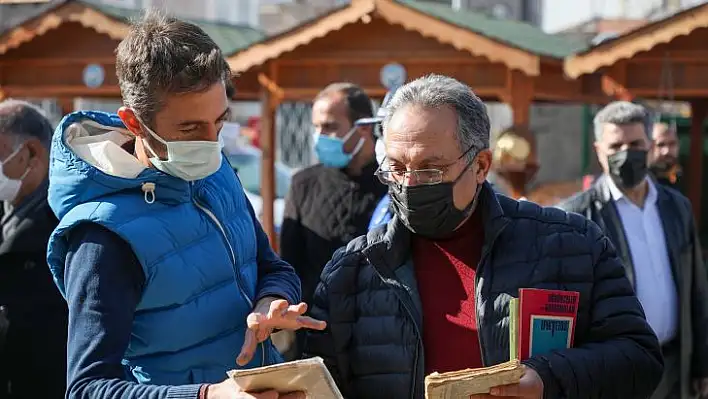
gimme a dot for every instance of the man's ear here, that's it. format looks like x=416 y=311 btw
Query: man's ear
x=131 y=121
x=484 y=160
x=38 y=154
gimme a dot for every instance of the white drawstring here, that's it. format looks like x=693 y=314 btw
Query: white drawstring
x=149 y=190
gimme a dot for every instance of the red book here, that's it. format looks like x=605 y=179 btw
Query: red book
x=546 y=321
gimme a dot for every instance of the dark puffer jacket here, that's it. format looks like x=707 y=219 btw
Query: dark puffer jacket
x=368 y=296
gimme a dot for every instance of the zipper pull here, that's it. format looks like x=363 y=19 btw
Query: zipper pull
x=149 y=192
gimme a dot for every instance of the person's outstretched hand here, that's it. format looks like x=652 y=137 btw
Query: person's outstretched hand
x=270 y=314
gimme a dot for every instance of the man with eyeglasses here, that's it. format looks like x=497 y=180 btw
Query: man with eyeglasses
x=430 y=290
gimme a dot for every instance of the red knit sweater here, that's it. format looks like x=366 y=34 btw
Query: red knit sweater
x=445 y=272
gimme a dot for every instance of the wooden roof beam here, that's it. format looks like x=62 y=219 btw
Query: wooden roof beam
x=274 y=47
x=69 y=12
x=460 y=38
x=642 y=39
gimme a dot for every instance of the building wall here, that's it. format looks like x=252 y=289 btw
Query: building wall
x=521 y=10
x=559 y=138
x=237 y=12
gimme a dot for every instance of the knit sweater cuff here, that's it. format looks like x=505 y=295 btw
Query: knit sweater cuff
x=184 y=392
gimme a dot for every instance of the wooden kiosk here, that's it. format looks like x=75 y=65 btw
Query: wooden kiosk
x=56 y=53
x=502 y=60
x=637 y=65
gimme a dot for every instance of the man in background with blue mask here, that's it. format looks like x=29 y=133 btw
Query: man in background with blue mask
x=169 y=277
x=331 y=202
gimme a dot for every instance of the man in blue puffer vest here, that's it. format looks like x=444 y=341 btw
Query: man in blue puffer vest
x=169 y=277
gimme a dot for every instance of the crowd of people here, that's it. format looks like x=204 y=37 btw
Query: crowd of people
x=132 y=264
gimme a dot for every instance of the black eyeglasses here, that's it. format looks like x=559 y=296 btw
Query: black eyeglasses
x=419 y=176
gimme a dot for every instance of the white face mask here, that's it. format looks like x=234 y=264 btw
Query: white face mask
x=9 y=188
x=187 y=160
x=380 y=151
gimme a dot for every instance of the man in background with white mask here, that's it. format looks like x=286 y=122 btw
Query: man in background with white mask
x=169 y=277
x=331 y=202
x=35 y=312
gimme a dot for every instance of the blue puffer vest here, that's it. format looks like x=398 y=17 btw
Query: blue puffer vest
x=197 y=246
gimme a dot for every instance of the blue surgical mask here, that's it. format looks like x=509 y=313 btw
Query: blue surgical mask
x=330 y=150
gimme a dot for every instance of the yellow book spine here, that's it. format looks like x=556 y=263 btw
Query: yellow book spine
x=513 y=328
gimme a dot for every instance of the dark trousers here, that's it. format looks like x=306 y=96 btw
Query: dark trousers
x=33 y=358
x=670 y=384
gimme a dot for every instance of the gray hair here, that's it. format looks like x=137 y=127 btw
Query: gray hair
x=22 y=120
x=622 y=113
x=436 y=91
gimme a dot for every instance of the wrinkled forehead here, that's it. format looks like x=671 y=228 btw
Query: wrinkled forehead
x=416 y=134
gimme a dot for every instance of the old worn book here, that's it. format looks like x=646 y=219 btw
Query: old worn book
x=309 y=376
x=463 y=383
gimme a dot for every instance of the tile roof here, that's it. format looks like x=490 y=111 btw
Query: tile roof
x=513 y=33
x=230 y=38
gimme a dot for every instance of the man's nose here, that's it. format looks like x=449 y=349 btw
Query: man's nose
x=213 y=133
x=410 y=179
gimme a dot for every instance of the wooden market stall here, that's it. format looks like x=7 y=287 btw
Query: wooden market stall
x=68 y=51
x=665 y=60
x=501 y=60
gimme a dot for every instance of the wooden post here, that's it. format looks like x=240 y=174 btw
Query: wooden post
x=699 y=111
x=66 y=104
x=519 y=96
x=267 y=141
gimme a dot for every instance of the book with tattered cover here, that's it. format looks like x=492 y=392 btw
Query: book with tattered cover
x=308 y=375
x=546 y=321
x=463 y=383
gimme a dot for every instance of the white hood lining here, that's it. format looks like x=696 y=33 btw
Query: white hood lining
x=101 y=147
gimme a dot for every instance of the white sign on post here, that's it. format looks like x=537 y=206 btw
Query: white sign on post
x=93 y=75
x=393 y=75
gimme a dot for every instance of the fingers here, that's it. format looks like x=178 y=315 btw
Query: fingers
x=292 y=395
x=507 y=390
x=262 y=334
x=254 y=320
x=248 y=349
x=300 y=308
x=275 y=395
x=277 y=308
x=265 y=395
x=309 y=322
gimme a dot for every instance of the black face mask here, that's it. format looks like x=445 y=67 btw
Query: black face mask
x=628 y=168
x=429 y=210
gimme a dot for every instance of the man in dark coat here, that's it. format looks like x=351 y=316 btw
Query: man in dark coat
x=33 y=360
x=653 y=229
x=664 y=155
x=430 y=290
